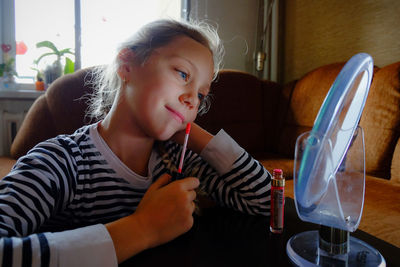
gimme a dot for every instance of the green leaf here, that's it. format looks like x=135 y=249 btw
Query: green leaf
x=49 y=45
x=42 y=56
x=69 y=66
x=2 y=66
x=66 y=51
x=38 y=74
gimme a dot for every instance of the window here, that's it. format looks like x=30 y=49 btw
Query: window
x=104 y=23
x=34 y=23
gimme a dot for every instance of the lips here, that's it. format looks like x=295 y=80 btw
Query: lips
x=178 y=116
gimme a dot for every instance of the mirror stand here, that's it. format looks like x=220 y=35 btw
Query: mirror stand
x=312 y=249
x=338 y=207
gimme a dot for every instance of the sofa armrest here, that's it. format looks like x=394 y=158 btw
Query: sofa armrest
x=61 y=110
x=6 y=164
x=272 y=161
x=395 y=167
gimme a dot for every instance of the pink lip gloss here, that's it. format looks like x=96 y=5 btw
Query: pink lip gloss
x=177 y=175
x=277 y=201
x=184 y=147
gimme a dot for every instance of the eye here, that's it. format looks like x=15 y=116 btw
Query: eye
x=184 y=75
x=201 y=97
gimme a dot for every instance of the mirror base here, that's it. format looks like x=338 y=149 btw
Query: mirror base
x=303 y=250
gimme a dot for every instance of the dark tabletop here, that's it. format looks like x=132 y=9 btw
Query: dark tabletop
x=223 y=237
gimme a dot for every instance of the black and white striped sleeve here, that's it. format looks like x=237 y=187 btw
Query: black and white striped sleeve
x=38 y=185
x=236 y=179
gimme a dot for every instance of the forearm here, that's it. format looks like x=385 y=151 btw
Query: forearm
x=128 y=237
x=247 y=187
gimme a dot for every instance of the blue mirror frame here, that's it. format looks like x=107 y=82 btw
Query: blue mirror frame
x=342 y=106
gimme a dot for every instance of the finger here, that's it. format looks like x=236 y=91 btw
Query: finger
x=193 y=206
x=191 y=195
x=189 y=183
x=161 y=181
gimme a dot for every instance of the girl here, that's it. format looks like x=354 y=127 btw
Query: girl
x=108 y=185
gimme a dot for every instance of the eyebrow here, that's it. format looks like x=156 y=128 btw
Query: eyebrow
x=187 y=60
x=208 y=85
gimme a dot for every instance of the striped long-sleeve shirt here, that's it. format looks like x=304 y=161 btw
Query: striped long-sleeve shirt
x=56 y=199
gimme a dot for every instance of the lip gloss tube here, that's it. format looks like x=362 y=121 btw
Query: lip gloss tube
x=277 y=201
x=179 y=175
x=187 y=132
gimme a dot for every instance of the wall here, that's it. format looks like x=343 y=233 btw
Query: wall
x=319 y=32
x=237 y=27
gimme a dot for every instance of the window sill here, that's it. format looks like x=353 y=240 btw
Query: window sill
x=19 y=91
x=17 y=86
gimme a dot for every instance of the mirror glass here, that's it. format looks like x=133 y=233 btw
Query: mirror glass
x=329 y=180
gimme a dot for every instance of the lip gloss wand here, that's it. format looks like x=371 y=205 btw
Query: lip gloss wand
x=184 y=148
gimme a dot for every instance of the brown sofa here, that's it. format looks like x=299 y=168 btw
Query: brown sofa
x=265 y=118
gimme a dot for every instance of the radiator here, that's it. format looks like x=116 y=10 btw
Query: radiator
x=11 y=122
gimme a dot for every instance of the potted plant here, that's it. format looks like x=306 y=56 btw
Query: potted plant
x=39 y=84
x=7 y=69
x=57 y=68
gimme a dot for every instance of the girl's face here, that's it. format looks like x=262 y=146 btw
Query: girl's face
x=165 y=92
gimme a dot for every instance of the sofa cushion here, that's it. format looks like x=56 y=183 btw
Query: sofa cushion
x=238 y=105
x=381 y=213
x=306 y=98
x=381 y=120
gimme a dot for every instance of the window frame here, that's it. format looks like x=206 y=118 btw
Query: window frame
x=7 y=24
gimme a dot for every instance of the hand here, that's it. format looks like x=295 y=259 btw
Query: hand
x=164 y=213
x=166 y=209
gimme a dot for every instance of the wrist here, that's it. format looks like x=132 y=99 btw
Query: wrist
x=198 y=138
x=128 y=236
x=145 y=234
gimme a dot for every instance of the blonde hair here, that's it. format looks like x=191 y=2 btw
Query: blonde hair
x=106 y=81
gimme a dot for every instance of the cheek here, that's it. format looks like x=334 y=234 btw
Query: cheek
x=193 y=115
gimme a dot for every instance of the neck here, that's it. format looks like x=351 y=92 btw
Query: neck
x=127 y=142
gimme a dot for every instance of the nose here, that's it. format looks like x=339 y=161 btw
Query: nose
x=189 y=99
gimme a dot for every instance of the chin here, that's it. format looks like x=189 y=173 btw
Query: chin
x=163 y=138
x=165 y=134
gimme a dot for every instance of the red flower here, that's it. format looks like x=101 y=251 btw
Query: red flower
x=6 y=48
x=21 y=48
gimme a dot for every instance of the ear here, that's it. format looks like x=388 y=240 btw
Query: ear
x=127 y=57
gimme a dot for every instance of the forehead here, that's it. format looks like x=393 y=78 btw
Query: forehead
x=188 y=49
